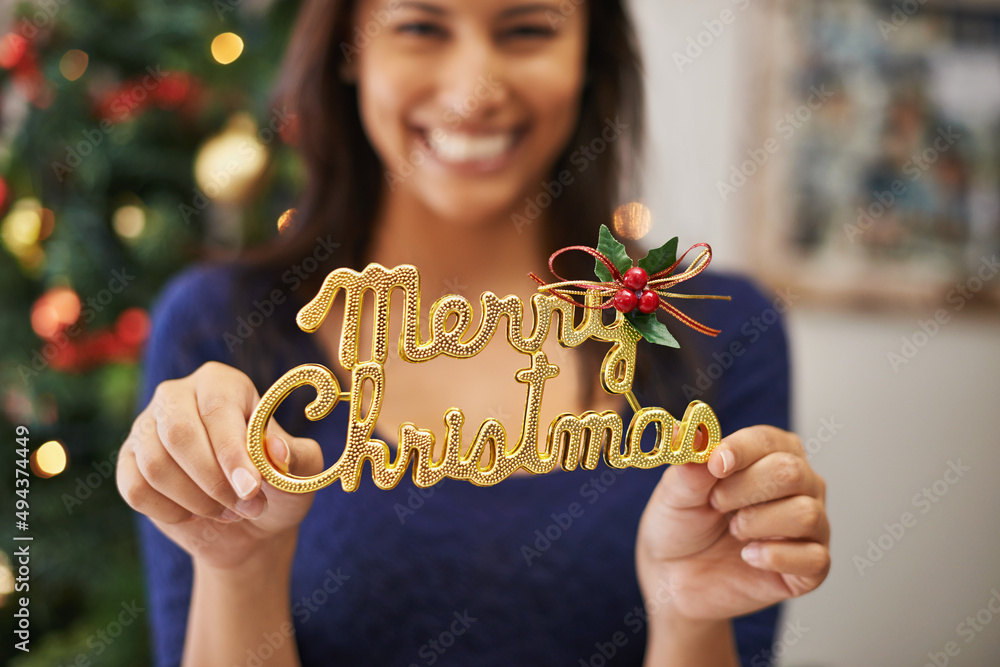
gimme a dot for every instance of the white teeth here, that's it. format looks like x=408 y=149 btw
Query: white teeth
x=460 y=147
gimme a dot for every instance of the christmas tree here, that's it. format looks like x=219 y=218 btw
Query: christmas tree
x=134 y=135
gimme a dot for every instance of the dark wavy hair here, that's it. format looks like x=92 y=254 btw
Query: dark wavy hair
x=345 y=178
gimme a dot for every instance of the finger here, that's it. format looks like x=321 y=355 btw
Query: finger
x=799 y=517
x=143 y=498
x=166 y=477
x=741 y=449
x=777 y=475
x=685 y=486
x=225 y=400
x=278 y=452
x=299 y=456
x=185 y=439
x=804 y=559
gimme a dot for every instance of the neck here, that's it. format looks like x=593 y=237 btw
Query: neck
x=466 y=257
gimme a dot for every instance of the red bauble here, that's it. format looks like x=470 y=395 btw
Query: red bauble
x=648 y=302
x=625 y=300
x=635 y=278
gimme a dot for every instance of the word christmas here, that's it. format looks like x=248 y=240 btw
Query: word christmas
x=572 y=440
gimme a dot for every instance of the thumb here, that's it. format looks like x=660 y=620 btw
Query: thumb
x=298 y=456
x=678 y=520
x=685 y=486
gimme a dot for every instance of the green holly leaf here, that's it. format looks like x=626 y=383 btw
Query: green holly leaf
x=652 y=329
x=660 y=258
x=613 y=250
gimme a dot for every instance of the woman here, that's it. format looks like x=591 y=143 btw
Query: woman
x=430 y=131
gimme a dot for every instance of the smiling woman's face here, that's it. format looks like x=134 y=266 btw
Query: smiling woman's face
x=468 y=103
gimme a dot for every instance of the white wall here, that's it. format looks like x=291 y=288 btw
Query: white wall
x=896 y=432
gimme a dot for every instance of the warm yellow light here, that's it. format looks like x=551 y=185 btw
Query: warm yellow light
x=22 y=226
x=285 y=221
x=49 y=459
x=229 y=164
x=32 y=259
x=6 y=577
x=226 y=47
x=129 y=221
x=73 y=64
x=632 y=221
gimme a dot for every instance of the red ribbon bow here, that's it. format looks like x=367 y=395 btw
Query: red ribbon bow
x=658 y=282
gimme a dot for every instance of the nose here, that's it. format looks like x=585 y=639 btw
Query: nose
x=472 y=84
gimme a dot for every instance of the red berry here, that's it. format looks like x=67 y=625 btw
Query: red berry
x=648 y=302
x=625 y=300
x=635 y=278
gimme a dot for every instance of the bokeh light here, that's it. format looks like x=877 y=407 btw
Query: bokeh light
x=73 y=64
x=226 y=47
x=48 y=223
x=632 y=221
x=129 y=221
x=285 y=220
x=132 y=326
x=57 y=308
x=12 y=49
x=49 y=460
x=22 y=226
x=229 y=164
x=6 y=578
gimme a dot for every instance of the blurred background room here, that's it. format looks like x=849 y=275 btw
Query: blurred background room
x=844 y=153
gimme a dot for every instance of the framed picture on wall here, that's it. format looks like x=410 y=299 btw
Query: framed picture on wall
x=876 y=149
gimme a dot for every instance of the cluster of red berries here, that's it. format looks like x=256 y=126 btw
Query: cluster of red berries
x=635 y=293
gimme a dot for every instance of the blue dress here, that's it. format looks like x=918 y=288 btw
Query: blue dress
x=536 y=570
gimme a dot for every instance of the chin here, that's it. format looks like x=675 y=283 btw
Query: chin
x=469 y=207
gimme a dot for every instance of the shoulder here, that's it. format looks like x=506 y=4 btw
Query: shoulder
x=201 y=300
x=188 y=321
x=225 y=312
x=748 y=299
x=752 y=317
x=197 y=291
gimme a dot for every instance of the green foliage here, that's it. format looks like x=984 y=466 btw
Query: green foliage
x=659 y=259
x=613 y=250
x=85 y=561
x=651 y=328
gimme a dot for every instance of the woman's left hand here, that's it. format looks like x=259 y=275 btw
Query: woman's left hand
x=741 y=532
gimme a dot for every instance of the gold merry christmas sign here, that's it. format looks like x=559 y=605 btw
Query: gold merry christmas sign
x=450 y=320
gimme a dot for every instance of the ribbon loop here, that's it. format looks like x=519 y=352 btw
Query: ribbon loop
x=658 y=282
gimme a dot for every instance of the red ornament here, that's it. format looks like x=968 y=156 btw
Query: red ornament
x=635 y=278
x=173 y=90
x=132 y=327
x=13 y=48
x=625 y=300
x=649 y=302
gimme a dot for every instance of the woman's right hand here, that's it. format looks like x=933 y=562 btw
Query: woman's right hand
x=185 y=465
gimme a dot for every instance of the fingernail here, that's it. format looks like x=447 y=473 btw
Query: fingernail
x=751 y=553
x=243 y=482
x=727 y=460
x=250 y=509
x=229 y=515
x=287 y=459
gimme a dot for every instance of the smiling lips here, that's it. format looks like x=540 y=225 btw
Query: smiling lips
x=464 y=149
